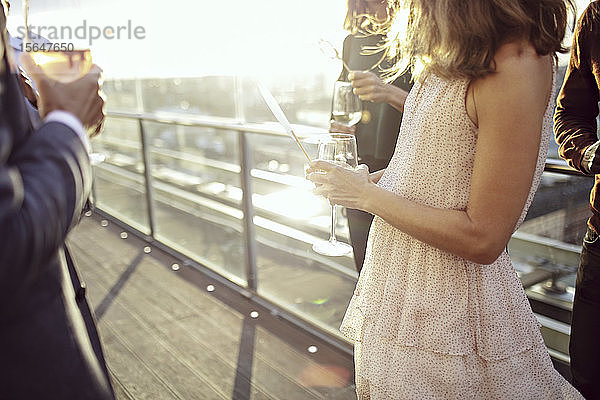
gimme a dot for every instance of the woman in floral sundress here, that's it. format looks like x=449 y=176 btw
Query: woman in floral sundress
x=438 y=311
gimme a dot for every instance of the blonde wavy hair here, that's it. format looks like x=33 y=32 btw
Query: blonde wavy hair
x=358 y=20
x=459 y=38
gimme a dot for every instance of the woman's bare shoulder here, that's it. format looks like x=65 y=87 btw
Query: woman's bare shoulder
x=521 y=78
x=520 y=58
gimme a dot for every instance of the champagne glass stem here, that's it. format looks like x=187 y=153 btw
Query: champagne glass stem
x=26 y=39
x=332 y=233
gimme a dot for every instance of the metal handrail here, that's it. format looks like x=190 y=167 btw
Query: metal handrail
x=552 y=165
x=561 y=167
x=270 y=129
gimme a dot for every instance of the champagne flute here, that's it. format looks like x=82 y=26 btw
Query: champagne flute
x=339 y=148
x=347 y=107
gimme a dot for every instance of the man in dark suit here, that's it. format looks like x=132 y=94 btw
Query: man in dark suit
x=49 y=348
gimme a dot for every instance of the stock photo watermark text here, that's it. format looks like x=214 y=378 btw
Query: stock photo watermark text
x=85 y=31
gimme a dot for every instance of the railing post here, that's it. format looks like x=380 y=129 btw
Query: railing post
x=147 y=178
x=248 y=209
x=94 y=194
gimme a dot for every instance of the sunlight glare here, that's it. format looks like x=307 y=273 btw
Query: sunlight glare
x=188 y=39
x=295 y=203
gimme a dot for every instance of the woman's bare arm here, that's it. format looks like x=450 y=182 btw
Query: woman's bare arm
x=510 y=106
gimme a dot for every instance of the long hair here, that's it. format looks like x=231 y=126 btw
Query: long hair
x=459 y=38
x=358 y=19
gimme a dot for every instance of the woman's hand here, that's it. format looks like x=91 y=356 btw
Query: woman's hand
x=369 y=87
x=341 y=186
x=376 y=176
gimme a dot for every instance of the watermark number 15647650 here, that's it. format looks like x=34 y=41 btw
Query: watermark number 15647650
x=35 y=47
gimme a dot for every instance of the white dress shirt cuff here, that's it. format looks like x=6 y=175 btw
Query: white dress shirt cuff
x=72 y=122
x=589 y=159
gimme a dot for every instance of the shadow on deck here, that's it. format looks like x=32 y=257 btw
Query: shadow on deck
x=170 y=332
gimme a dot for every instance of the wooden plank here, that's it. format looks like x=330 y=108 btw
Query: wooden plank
x=300 y=366
x=133 y=374
x=121 y=393
x=178 y=331
x=200 y=343
x=155 y=351
x=141 y=292
x=210 y=326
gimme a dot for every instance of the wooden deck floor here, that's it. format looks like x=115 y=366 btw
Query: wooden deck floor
x=167 y=337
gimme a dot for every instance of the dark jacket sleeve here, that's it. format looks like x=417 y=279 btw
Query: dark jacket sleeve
x=45 y=178
x=577 y=104
x=43 y=187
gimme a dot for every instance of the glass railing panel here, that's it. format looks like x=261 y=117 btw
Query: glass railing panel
x=123 y=95
x=546 y=247
x=288 y=219
x=119 y=185
x=305 y=99
x=197 y=196
x=560 y=208
x=209 y=96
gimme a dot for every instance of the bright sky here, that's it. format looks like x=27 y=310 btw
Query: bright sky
x=268 y=39
x=193 y=38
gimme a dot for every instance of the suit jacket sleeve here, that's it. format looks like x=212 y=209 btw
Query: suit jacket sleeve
x=45 y=178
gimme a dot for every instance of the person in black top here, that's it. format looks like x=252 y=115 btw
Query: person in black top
x=383 y=103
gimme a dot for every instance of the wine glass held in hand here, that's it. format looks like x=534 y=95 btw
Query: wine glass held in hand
x=69 y=78
x=346 y=107
x=82 y=98
x=63 y=65
x=61 y=62
x=340 y=149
